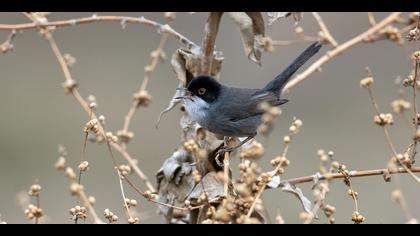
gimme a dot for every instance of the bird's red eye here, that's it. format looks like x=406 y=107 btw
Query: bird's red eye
x=201 y=91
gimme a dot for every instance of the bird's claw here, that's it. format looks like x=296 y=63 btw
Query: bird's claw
x=220 y=154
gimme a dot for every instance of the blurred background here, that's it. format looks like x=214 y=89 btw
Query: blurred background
x=36 y=115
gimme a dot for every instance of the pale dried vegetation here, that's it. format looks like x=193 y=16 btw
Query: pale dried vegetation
x=195 y=186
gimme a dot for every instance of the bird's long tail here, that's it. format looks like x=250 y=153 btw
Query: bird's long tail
x=277 y=84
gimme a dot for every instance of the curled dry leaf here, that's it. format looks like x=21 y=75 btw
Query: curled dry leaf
x=274 y=16
x=289 y=188
x=306 y=203
x=251 y=26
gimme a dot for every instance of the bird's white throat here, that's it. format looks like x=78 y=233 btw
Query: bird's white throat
x=197 y=109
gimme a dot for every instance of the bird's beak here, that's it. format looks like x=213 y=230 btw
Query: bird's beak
x=187 y=94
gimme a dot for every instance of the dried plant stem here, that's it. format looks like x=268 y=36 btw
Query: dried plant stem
x=120 y=177
x=340 y=49
x=155 y=58
x=288 y=42
x=371 y=18
x=415 y=125
x=85 y=106
x=92 y=19
x=325 y=30
x=210 y=34
x=38 y=205
x=83 y=157
x=387 y=136
x=161 y=203
x=254 y=203
x=353 y=174
x=85 y=200
x=226 y=163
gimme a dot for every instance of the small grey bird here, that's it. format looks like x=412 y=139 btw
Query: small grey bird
x=234 y=112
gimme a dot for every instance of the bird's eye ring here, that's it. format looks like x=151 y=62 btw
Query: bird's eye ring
x=201 y=91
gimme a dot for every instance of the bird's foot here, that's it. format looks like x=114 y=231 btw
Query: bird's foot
x=221 y=153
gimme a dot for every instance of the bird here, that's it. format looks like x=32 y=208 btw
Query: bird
x=235 y=112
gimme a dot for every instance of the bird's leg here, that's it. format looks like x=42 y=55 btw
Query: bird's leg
x=224 y=149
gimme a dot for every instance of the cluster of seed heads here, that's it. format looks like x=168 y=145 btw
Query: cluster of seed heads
x=142 y=98
x=366 y=82
x=280 y=161
x=110 y=137
x=383 y=119
x=306 y=217
x=400 y=106
x=111 y=217
x=191 y=146
x=69 y=85
x=149 y=195
x=252 y=151
x=84 y=166
x=413 y=34
x=92 y=125
x=196 y=176
x=69 y=59
x=294 y=128
x=33 y=212
x=357 y=218
x=268 y=118
x=409 y=81
x=392 y=33
x=130 y=202
x=78 y=212
x=402 y=159
x=124 y=169
x=35 y=190
x=125 y=136
x=133 y=220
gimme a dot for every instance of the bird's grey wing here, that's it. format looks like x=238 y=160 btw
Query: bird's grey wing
x=239 y=103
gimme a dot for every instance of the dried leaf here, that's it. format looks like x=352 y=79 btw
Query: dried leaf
x=251 y=25
x=212 y=185
x=275 y=181
x=174 y=184
x=171 y=105
x=274 y=16
x=306 y=203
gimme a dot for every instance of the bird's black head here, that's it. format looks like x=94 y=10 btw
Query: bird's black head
x=205 y=87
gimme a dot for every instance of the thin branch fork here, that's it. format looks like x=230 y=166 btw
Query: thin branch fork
x=352 y=174
x=163 y=28
x=85 y=106
x=340 y=49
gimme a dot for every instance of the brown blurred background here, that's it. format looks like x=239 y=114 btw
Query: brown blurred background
x=36 y=116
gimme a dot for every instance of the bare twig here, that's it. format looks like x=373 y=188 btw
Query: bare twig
x=340 y=49
x=156 y=56
x=226 y=163
x=210 y=34
x=92 y=19
x=371 y=18
x=85 y=106
x=325 y=30
x=7 y=45
x=353 y=174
